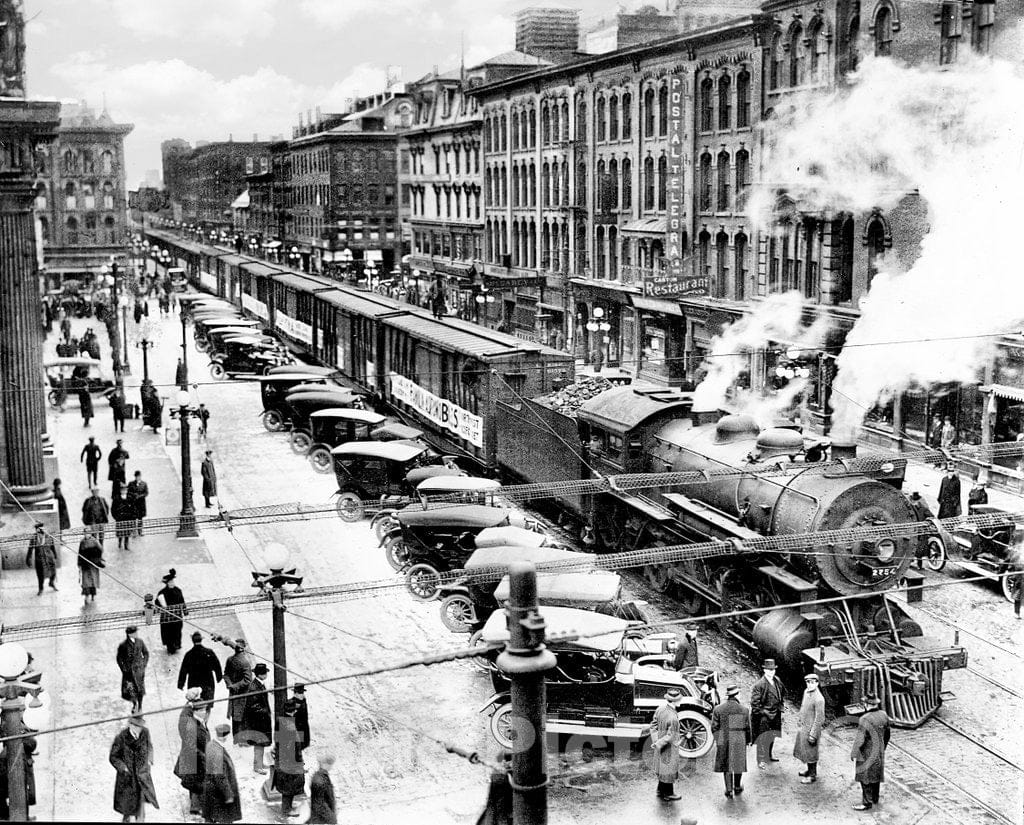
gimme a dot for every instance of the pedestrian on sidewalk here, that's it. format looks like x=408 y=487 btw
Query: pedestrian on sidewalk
x=132 y=660
x=132 y=757
x=90 y=560
x=179 y=376
x=85 y=404
x=976 y=496
x=116 y=476
x=1016 y=590
x=199 y=668
x=172 y=602
x=174 y=301
x=138 y=490
x=301 y=715
x=117 y=407
x=665 y=740
x=91 y=455
x=209 y=473
x=948 y=436
x=949 y=494
x=28 y=745
x=65 y=328
x=96 y=513
x=119 y=453
x=41 y=547
x=289 y=770
x=190 y=767
x=922 y=512
x=868 y=751
x=63 y=517
x=124 y=515
x=257 y=723
x=730 y=724
x=811 y=720
x=204 y=420
x=322 y=806
x=221 y=802
x=237 y=677
x=766 y=701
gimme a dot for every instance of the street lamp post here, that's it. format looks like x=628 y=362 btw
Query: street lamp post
x=17 y=683
x=187 y=517
x=294 y=258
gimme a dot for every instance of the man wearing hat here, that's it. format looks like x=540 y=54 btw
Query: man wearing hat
x=199 y=668
x=220 y=784
x=190 y=767
x=665 y=739
x=237 y=677
x=301 y=715
x=686 y=650
x=921 y=513
x=949 y=494
x=810 y=722
x=868 y=751
x=289 y=771
x=132 y=660
x=132 y=755
x=257 y=723
x=209 y=473
x=41 y=547
x=766 y=698
x=730 y=724
x=322 y=805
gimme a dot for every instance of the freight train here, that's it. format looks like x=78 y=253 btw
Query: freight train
x=858 y=641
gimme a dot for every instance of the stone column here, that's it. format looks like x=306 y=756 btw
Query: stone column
x=23 y=126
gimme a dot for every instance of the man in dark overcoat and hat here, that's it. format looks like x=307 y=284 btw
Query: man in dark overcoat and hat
x=730 y=723
x=199 y=668
x=221 y=802
x=766 y=698
x=190 y=766
x=132 y=757
x=868 y=751
x=257 y=722
x=42 y=551
x=209 y=474
x=237 y=677
x=665 y=739
x=949 y=494
x=132 y=660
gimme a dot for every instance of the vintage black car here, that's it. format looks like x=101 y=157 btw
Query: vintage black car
x=436 y=485
x=215 y=336
x=329 y=429
x=300 y=404
x=990 y=551
x=374 y=471
x=397 y=432
x=65 y=376
x=605 y=686
x=245 y=356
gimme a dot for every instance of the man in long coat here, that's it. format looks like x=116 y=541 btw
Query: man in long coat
x=237 y=677
x=810 y=721
x=96 y=513
x=301 y=715
x=132 y=659
x=949 y=494
x=199 y=668
x=730 y=723
x=766 y=698
x=869 y=752
x=665 y=739
x=190 y=766
x=209 y=473
x=42 y=550
x=322 y=805
x=132 y=756
x=289 y=771
x=220 y=785
x=138 y=490
x=686 y=651
x=257 y=722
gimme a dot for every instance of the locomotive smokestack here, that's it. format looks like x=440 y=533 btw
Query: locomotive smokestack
x=701 y=417
x=841 y=450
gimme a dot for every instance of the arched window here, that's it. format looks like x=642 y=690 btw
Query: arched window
x=107 y=162
x=704 y=253
x=811 y=244
x=565 y=183
x=742 y=172
x=90 y=228
x=581 y=122
x=627 y=184
x=533 y=128
x=109 y=230
x=71 y=231
x=599 y=193
x=545 y=125
x=705 y=182
x=545 y=184
x=743 y=99
x=545 y=246
x=817 y=48
x=503 y=238
x=581 y=183
x=876 y=248
x=883 y=32
x=775 y=71
x=88 y=161
x=724 y=181
x=724 y=102
x=613 y=184
x=613 y=117
x=516 y=246
x=627 y=116
x=662 y=182
x=533 y=184
x=488 y=183
x=853 y=39
x=70 y=197
x=739 y=255
x=602 y=119
x=721 y=265
x=796 y=55
x=649 y=113
x=108 y=195
x=515 y=184
x=503 y=181
x=842 y=263
x=565 y=120
x=602 y=260
x=706 y=104
x=487 y=136
x=503 y=133
x=613 y=253
x=41 y=199
x=531 y=247
x=663 y=110
x=44 y=228
x=515 y=130
x=648 y=183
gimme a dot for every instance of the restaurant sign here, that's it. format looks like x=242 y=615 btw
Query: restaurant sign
x=442 y=412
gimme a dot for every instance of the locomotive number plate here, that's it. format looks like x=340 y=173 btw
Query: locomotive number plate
x=882 y=572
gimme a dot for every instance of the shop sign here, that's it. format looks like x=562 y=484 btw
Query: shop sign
x=442 y=412
x=674 y=281
x=296 y=330
x=257 y=308
x=207 y=280
x=493 y=282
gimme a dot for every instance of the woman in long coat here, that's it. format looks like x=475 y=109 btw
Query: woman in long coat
x=172 y=600
x=810 y=721
x=90 y=560
x=132 y=755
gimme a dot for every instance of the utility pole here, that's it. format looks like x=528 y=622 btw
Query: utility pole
x=525 y=659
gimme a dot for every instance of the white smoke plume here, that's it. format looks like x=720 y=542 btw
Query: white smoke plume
x=955 y=134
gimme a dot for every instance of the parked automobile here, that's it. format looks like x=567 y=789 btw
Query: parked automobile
x=211 y=336
x=373 y=471
x=303 y=403
x=245 y=357
x=330 y=428
x=397 y=432
x=437 y=485
x=66 y=375
x=606 y=684
x=989 y=551
x=308 y=369
x=274 y=388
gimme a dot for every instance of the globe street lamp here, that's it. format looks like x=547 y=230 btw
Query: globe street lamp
x=187 y=517
x=18 y=682
x=294 y=258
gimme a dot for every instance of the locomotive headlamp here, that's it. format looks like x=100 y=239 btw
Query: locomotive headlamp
x=885 y=549
x=887 y=467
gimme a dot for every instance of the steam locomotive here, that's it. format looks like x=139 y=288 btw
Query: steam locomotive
x=858 y=642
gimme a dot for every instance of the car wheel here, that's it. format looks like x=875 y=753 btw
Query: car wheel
x=202 y=345
x=350 y=508
x=320 y=459
x=218 y=372
x=481 y=663
x=695 y=734
x=273 y=421
x=423 y=581
x=300 y=443
x=501 y=726
x=54 y=398
x=936 y=554
x=396 y=552
x=458 y=613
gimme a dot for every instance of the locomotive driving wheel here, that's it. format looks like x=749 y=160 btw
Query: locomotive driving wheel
x=658 y=577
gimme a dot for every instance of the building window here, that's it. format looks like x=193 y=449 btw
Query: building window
x=602 y=119
x=663 y=110
x=613 y=117
x=72 y=231
x=533 y=184
x=109 y=230
x=818 y=47
x=739 y=251
x=853 y=39
x=705 y=182
x=649 y=183
x=627 y=116
x=108 y=195
x=503 y=133
x=775 y=70
x=883 y=32
x=613 y=184
x=515 y=185
x=721 y=265
x=704 y=253
x=581 y=122
x=565 y=183
x=581 y=184
x=601 y=257
x=545 y=125
x=515 y=130
x=89 y=195
x=88 y=162
x=743 y=99
x=949 y=32
x=810 y=235
x=649 y=113
x=662 y=182
x=796 y=56
x=599 y=194
x=627 y=184
x=742 y=172
x=706 y=105
x=565 y=120
x=724 y=102
x=876 y=248
x=843 y=239
x=983 y=25
x=724 y=181
x=545 y=184
x=41 y=196
x=107 y=162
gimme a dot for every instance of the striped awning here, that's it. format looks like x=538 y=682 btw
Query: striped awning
x=1004 y=391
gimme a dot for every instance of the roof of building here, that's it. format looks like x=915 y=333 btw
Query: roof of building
x=514 y=58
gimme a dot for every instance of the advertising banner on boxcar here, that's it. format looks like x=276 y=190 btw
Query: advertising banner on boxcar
x=257 y=308
x=296 y=330
x=208 y=281
x=442 y=412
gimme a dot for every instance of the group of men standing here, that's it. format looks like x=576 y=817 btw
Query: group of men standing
x=736 y=727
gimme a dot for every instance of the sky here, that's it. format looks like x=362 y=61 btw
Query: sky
x=207 y=69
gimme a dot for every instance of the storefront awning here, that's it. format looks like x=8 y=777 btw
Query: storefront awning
x=242 y=201
x=1004 y=391
x=657 y=305
x=645 y=226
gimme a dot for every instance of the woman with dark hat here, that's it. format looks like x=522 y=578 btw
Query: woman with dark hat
x=90 y=560
x=172 y=602
x=257 y=723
